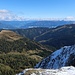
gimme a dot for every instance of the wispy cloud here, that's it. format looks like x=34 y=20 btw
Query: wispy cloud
x=8 y=15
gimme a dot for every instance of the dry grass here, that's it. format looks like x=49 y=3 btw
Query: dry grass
x=9 y=35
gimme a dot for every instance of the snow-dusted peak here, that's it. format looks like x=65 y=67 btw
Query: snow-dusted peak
x=60 y=58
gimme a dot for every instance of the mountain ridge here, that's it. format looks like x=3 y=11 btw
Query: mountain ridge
x=54 y=38
x=58 y=37
x=60 y=58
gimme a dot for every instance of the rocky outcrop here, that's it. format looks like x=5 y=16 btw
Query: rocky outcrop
x=60 y=58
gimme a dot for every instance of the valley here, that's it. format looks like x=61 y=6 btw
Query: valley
x=53 y=38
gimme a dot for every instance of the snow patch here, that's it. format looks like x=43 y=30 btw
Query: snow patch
x=70 y=70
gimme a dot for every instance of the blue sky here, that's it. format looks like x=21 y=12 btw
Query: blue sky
x=38 y=8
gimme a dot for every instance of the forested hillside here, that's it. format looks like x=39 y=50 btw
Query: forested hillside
x=18 y=53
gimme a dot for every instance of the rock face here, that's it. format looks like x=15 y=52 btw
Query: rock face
x=60 y=58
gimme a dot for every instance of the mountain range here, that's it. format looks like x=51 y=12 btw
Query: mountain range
x=58 y=37
x=65 y=56
x=53 y=38
x=32 y=23
x=24 y=48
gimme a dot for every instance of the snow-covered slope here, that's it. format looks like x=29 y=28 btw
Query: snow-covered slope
x=70 y=70
x=60 y=58
x=61 y=62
